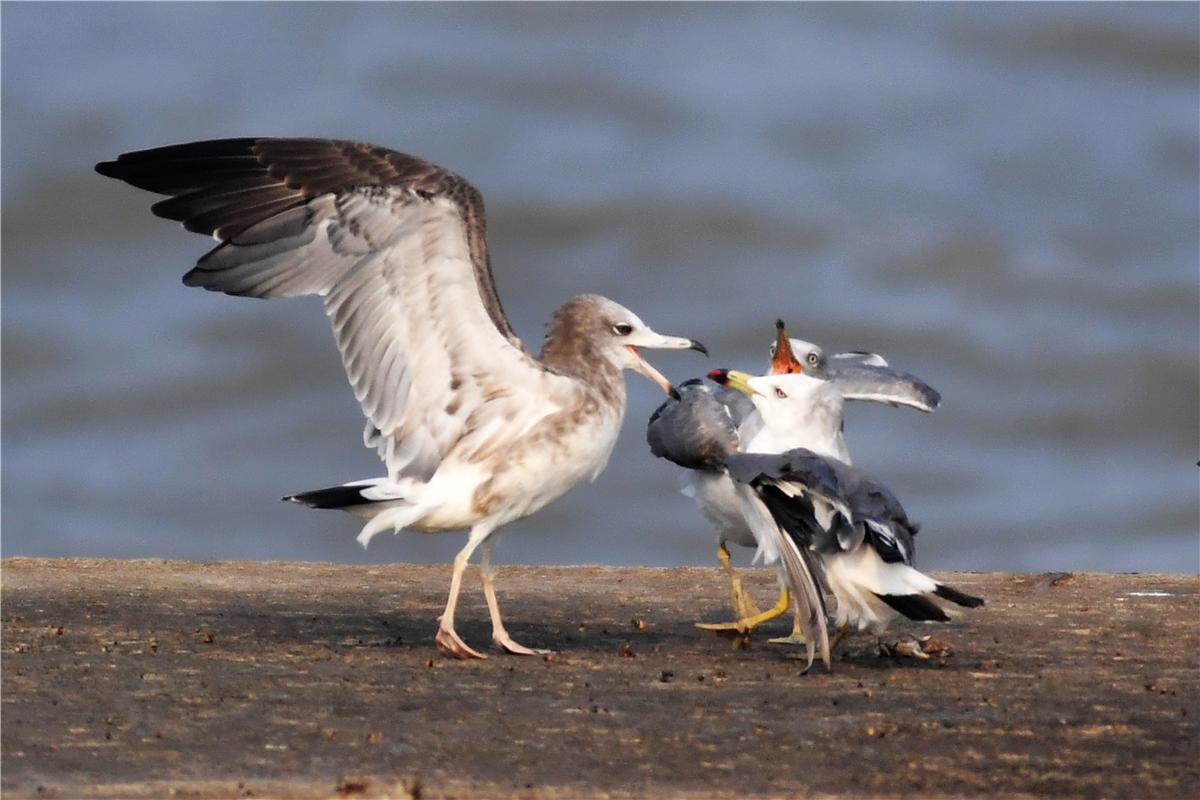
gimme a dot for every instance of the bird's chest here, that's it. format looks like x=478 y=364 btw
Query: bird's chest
x=560 y=453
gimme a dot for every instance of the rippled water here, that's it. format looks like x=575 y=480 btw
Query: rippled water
x=1001 y=199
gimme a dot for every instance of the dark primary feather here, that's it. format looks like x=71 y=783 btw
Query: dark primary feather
x=915 y=606
x=225 y=187
x=891 y=532
x=769 y=474
x=700 y=429
x=955 y=596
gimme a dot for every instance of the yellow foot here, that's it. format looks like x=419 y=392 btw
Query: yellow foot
x=747 y=624
x=724 y=627
x=795 y=637
x=743 y=605
x=842 y=630
x=792 y=638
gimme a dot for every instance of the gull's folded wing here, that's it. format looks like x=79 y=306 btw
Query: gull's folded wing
x=699 y=429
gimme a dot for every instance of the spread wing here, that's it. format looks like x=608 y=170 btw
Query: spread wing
x=878 y=383
x=699 y=429
x=396 y=248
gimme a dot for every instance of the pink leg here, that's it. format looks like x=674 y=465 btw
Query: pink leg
x=499 y=635
x=447 y=640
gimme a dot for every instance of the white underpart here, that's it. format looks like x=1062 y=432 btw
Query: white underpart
x=855 y=578
x=717 y=500
x=528 y=477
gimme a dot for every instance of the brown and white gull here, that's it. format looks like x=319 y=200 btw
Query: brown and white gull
x=475 y=431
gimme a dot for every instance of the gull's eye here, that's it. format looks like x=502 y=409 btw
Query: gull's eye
x=622 y=329
x=813 y=358
x=774 y=347
x=780 y=393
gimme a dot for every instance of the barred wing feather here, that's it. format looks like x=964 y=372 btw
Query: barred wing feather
x=395 y=247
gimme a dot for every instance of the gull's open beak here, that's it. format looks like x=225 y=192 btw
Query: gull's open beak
x=784 y=361
x=649 y=338
x=733 y=379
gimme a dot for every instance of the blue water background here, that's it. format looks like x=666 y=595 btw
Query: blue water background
x=1001 y=199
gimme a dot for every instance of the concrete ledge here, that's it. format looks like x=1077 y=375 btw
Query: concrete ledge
x=155 y=679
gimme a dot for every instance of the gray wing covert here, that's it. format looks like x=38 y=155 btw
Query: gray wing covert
x=882 y=384
x=827 y=505
x=699 y=430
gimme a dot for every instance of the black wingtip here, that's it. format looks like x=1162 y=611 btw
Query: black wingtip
x=955 y=596
x=915 y=606
x=108 y=169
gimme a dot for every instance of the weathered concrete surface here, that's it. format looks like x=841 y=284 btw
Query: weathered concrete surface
x=155 y=679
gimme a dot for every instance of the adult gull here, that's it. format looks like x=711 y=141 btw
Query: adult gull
x=797 y=488
x=708 y=422
x=474 y=430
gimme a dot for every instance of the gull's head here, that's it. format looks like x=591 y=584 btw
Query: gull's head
x=782 y=400
x=795 y=356
x=616 y=335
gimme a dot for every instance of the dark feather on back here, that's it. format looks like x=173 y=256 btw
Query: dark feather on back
x=699 y=430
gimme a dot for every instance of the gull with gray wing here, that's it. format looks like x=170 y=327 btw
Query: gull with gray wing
x=473 y=429
x=829 y=520
x=707 y=423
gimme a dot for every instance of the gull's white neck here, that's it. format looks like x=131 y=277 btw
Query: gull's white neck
x=813 y=421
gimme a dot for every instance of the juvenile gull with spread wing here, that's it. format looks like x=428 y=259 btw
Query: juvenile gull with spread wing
x=474 y=430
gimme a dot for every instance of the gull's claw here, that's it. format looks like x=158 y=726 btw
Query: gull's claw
x=451 y=645
x=743 y=604
x=506 y=643
x=724 y=627
x=791 y=638
x=746 y=624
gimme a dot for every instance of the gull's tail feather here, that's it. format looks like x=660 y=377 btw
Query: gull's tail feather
x=357 y=493
x=350 y=494
x=923 y=607
x=384 y=503
x=870 y=590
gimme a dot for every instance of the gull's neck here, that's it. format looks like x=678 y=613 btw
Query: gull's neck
x=571 y=351
x=815 y=425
